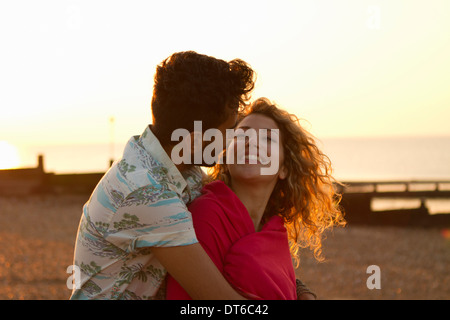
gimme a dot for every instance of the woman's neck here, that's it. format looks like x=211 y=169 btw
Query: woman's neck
x=255 y=198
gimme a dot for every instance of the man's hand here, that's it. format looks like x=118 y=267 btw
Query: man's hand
x=303 y=292
x=192 y=268
x=306 y=296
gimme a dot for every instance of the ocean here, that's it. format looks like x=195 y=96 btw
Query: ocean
x=353 y=159
x=419 y=158
x=394 y=159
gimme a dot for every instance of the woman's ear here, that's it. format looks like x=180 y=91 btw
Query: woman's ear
x=282 y=174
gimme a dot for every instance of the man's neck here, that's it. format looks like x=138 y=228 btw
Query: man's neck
x=166 y=146
x=168 y=149
x=182 y=166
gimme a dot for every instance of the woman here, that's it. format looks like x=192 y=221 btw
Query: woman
x=252 y=224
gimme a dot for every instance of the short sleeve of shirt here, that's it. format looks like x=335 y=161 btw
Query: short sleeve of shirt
x=149 y=217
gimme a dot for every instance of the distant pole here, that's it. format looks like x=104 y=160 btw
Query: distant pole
x=111 y=140
x=40 y=163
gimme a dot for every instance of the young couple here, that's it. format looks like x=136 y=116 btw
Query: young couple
x=154 y=229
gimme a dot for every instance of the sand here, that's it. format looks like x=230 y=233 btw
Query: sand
x=37 y=236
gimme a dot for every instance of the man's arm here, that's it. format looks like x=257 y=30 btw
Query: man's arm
x=192 y=268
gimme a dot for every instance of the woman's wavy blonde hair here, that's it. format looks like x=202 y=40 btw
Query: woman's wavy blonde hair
x=306 y=199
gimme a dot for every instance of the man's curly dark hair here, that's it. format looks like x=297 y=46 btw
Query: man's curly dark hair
x=190 y=86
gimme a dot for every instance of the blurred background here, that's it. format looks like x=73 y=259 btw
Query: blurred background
x=369 y=78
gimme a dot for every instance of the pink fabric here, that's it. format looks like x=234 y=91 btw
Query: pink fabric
x=258 y=264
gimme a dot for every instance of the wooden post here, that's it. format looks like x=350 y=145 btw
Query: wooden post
x=40 y=163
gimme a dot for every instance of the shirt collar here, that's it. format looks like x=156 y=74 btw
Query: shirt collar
x=152 y=145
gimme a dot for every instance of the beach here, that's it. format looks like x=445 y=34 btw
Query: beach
x=37 y=237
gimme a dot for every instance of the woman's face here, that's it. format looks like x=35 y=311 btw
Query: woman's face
x=258 y=152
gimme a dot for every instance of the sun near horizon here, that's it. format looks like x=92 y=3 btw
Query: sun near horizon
x=9 y=156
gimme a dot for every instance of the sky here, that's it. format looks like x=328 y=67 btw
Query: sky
x=350 y=68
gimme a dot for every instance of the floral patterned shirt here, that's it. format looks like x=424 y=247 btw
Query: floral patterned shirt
x=138 y=204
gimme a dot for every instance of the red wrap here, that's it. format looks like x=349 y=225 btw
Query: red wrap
x=258 y=264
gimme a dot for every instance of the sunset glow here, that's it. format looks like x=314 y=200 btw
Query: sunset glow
x=9 y=158
x=350 y=69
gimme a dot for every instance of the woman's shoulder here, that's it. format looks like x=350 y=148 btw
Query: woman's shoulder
x=209 y=200
x=214 y=193
x=218 y=201
x=217 y=187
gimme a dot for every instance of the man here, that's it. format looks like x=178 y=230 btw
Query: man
x=136 y=227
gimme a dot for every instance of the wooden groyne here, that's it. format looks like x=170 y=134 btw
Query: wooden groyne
x=27 y=181
x=357 y=199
